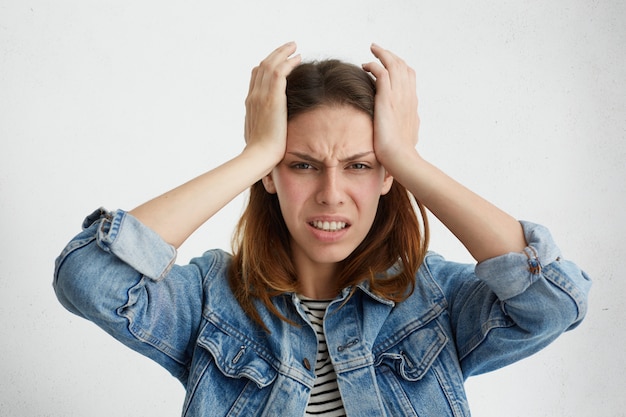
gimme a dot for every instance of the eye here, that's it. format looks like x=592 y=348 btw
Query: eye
x=301 y=165
x=358 y=166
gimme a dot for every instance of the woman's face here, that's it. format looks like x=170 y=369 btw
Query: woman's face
x=328 y=185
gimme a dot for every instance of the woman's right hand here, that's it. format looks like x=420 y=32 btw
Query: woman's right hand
x=266 y=104
x=176 y=214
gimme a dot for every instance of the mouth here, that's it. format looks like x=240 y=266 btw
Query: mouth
x=329 y=226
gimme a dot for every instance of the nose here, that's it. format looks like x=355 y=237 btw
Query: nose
x=330 y=189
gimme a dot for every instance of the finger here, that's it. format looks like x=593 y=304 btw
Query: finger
x=278 y=64
x=275 y=76
x=399 y=72
x=279 y=54
x=388 y=58
x=381 y=75
x=253 y=75
x=376 y=69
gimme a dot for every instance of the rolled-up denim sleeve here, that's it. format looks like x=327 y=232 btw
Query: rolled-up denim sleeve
x=128 y=239
x=512 y=306
x=121 y=275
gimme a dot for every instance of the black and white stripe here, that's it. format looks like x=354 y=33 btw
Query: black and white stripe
x=325 y=398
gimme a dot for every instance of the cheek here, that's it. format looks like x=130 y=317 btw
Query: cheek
x=366 y=197
x=371 y=189
x=290 y=192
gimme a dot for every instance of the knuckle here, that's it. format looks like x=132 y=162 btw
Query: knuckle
x=277 y=73
x=264 y=64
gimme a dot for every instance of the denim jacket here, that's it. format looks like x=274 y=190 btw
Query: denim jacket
x=392 y=359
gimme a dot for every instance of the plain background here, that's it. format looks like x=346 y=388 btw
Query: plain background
x=109 y=103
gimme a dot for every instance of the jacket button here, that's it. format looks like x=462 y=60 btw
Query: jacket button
x=306 y=364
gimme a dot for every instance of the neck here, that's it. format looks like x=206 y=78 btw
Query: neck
x=317 y=281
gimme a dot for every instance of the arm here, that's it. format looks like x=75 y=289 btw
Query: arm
x=176 y=214
x=103 y=276
x=119 y=271
x=522 y=294
x=507 y=308
x=484 y=230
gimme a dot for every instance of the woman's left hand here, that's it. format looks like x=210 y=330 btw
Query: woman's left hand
x=396 y=122
x=485 y=230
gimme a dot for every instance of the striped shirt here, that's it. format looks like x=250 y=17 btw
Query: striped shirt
x=325 y=398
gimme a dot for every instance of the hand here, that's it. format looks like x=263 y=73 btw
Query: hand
x=396 y=122
x=266 y=104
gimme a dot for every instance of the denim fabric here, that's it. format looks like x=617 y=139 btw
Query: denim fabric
x=404 y=359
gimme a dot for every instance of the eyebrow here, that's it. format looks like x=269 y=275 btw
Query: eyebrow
x=309 y=158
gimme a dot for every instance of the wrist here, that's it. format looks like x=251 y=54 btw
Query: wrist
x=399 y=162
x=262 y=156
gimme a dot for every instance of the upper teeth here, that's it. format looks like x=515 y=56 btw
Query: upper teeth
x=328 y=226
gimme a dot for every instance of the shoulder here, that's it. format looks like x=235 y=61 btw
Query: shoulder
x=436 y=267
x=212 y=263
x=447 y=277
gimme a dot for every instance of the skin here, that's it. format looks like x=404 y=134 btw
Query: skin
x=485 y=230
x=329 y=174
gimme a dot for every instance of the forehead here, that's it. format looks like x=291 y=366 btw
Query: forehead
x=331 y=131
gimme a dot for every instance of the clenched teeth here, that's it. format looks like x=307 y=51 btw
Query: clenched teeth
x=328 y=226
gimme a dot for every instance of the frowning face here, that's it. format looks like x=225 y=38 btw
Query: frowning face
x=328 y=185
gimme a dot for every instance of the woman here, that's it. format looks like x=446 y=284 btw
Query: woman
x=330 y=304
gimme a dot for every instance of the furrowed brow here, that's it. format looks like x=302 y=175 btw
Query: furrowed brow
x=309 y=158
x=356 y=156
x=304 y=157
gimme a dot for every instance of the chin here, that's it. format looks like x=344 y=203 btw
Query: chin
x=333 y=256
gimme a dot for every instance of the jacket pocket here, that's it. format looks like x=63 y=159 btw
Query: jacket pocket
x=236 y=356
x=412 y=356
x=421 y=365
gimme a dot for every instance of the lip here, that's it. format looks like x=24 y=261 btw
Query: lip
x=328 y=218
x=328 y=236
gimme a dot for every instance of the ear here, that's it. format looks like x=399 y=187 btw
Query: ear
x=387 y=183
x=268 y=183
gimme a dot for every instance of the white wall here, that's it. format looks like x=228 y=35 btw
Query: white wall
x=113 y=102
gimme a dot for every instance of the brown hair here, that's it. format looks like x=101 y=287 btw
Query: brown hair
x=262 y=265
